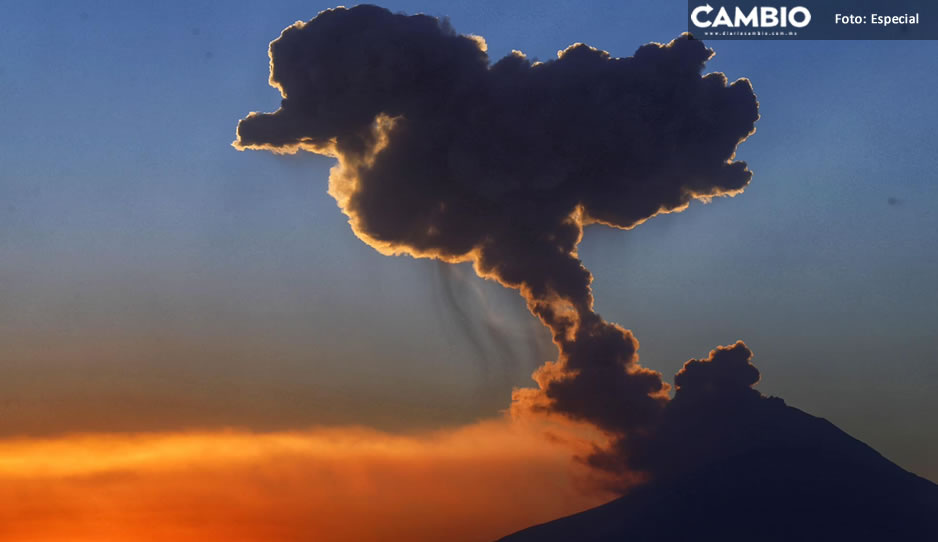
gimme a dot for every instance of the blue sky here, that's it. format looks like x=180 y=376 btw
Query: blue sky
x=155 y=278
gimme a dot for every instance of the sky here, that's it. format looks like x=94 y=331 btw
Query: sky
x=158 y=286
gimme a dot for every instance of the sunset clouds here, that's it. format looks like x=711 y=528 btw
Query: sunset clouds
x=470 y=483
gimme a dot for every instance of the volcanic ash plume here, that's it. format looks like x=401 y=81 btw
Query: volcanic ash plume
x=443 y=155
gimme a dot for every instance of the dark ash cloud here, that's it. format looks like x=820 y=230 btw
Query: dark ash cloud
x=713 y=412
x=724 y=375
x=443 y=154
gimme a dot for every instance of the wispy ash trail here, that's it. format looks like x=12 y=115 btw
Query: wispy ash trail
x=480 y=327
x=443 y=154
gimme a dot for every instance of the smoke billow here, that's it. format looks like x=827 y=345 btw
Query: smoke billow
x=443 y=154
x=713 y=411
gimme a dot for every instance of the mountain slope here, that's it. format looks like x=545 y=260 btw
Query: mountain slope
x=774 y=474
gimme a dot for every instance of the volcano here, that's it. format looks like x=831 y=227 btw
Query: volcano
x=770 y=473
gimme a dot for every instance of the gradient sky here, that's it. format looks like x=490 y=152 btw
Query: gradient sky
x=155 y=280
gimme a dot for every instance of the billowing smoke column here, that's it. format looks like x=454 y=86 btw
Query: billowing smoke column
x=713 y=411
x=444 y=155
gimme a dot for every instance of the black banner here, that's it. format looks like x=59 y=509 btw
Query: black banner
x=814 y=20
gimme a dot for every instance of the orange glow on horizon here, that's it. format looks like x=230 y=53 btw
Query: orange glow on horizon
x=475 y=482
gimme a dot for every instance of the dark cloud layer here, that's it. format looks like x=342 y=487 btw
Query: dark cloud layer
x=445 y=155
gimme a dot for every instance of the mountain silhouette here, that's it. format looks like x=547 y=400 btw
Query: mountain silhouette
x=765 y=472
